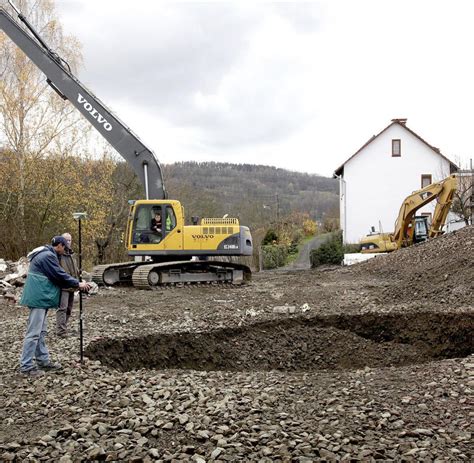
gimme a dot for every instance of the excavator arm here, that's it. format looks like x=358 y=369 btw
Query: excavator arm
x=443 y=204
x=59 y=77
x=442 y=191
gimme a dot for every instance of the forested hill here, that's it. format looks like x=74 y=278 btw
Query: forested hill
x=257 y=194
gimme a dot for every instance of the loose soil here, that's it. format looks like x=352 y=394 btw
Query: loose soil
x=369 y=362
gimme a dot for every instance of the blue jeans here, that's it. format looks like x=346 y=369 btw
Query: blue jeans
x=34 y=346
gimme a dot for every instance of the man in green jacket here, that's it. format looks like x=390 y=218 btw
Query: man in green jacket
x=66 y=301
x=41 y=293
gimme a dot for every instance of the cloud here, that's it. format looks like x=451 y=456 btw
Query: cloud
x=300 y=85
x=234 y=72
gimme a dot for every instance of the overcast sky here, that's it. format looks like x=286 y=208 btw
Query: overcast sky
x=300 y=85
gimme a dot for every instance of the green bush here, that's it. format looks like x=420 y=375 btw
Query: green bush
x=293 y=248
x=274 y=256
x=270 y=237
x=351 y=248
x=331 y=252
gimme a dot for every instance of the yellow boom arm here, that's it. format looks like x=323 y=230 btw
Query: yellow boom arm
x=442 y=191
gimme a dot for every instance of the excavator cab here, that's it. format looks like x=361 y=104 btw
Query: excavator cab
x=152 y=225
x=152 y=222
x=421 y=229
x=417 y=230
x=143 y=231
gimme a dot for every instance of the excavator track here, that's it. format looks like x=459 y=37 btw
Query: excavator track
x=174 y=273
x=111 y=274
x=145 y=275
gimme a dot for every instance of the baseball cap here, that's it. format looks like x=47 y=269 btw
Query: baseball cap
x=58 y=240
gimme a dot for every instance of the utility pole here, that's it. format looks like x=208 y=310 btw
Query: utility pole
x=277 y=210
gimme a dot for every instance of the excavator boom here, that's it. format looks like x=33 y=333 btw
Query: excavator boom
x=443 y=204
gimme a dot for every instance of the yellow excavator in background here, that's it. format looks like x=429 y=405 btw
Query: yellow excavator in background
x=410 y=229
x=156 y=229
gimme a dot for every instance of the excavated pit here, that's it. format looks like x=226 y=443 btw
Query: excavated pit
x=299 y=344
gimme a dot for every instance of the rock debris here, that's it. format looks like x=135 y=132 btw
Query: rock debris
x=383 y=368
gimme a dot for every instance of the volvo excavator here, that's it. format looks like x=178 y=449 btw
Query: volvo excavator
x=167 y=250
x=411 y=229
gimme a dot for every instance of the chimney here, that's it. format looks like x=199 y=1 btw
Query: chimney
x=402 y=120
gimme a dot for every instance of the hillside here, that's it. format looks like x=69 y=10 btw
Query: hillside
x=257 y=194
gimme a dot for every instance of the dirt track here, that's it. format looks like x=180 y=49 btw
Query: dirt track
x=372 y=362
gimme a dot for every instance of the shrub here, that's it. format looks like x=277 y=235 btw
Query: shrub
x=351 y=248
x=309 y=227
x=293 y=247
x=274 y=256
x=270 y=237
x=330 y=224
x=330 y=252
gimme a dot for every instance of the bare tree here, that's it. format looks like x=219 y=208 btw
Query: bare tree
x=109 y=243
x=34 y=121
x=463 y=198
x=462 y=203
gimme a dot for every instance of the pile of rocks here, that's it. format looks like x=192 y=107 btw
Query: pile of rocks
x=440 y=270
x=12 y=278
x=91 y=413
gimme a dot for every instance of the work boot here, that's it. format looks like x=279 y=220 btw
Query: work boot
x=50 y=367
x=32 y=373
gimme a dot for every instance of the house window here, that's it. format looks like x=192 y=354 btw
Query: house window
x=396 y=147
x=426 y=180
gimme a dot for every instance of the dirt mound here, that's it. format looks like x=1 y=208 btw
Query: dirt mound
x=441 y=269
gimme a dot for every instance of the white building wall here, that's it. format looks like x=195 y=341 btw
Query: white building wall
x=376 y=183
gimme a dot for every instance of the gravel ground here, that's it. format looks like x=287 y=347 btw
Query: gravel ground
x=371 y=362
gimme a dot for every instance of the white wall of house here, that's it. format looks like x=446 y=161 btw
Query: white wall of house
x=374 y=183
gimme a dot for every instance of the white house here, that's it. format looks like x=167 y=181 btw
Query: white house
x=381 y=174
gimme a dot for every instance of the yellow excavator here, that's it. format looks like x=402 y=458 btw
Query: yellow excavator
x=409 y=228
x=164 y=248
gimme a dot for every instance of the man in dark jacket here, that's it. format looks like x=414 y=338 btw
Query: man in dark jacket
x=66 y=301
x=41 y=293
